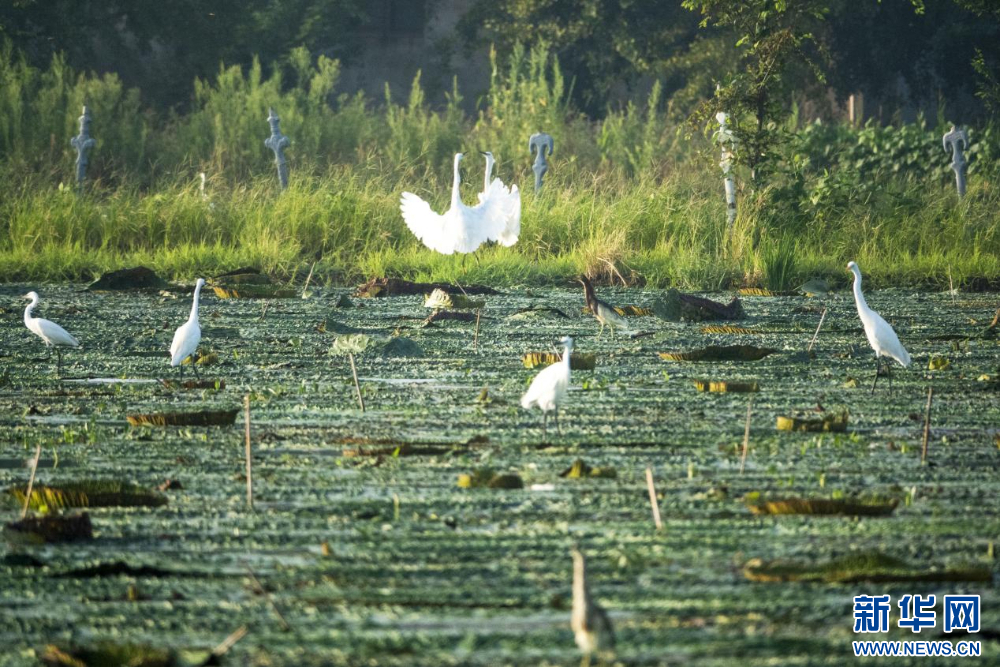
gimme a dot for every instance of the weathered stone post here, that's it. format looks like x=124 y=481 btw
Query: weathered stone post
x=278 y=142
x=727 y=142
x=538 y=144
x=82 y=142
x=956 y=142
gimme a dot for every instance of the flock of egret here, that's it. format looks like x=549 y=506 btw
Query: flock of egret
x=463 y=229
x=490 y=220
x=548 y=389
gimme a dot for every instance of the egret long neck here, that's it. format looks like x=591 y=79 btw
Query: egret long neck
x=489 y=172
x=194 y=304
x=859 y=298
x=567 y=353
x=28 y=309
x=456 y=198
x=579 y=589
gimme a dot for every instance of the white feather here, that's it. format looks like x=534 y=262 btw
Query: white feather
x=188 y=335
x=880 y=334
x=508 y=201
x=50 y=332
x=459 y=229
x=548 y=390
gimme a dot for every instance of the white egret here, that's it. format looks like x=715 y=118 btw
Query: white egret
x=50 y=332
x=880 y=335
x=461 y=229
x=188 y=335
x=510 y=203
x=604 y=312
x=591 y=625
x=549 y=387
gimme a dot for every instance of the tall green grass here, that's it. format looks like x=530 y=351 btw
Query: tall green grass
x=629 y=197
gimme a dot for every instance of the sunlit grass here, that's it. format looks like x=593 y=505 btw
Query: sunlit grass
x=666 y=231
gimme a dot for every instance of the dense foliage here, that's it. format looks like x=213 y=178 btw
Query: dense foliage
x=633 y=194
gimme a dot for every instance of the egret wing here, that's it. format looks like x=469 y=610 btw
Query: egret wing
x=886 y=340
x=185 y=342
x=56 y=334
x=428 y=226
x=512 y=218
x=492 y=212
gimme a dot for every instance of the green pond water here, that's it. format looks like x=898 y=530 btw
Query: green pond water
x=419 y=571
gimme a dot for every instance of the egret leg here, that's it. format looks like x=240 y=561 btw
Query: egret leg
x=888 y=371
x=555 y=416
x=545 y=426
x=878 y=367
x=59 y=362
x=194 y=366
x=601 y=331
x=585 y=660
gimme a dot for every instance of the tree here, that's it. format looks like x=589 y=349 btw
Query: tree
x=987 y=69
x=602 y=45
x=161 y=47
x=901 y=58
x=775 y=46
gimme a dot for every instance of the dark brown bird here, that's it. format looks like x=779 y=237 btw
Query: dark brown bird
x=602 y=310
x=591 y=625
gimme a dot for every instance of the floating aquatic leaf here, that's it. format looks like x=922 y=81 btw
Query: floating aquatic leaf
x=868 y=566
x=195 y=418
x=939 y=364
x=760 y=291
x=726 y=386
x=729 y=329
x=194 y=384
x=674 y=307
x=381 y=287
x=836 y=421
x=400 y=347
x=50 y=529
x=205 y=359
x=439 y=298
x=861 y=506
x=815 y=287
x=580 y=469
x=720 y=353
x=87 y=493
x=128 y=279
x=633 y=311
x=449 y=315
x=351 y=344
x=108 y=655
x=578 y=361
x=253 y=292
x=246 y=275
x=488 y=478
x=334 y=325
x=533 y=312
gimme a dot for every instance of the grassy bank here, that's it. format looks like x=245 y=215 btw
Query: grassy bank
x=664 y=231
x=633 y=196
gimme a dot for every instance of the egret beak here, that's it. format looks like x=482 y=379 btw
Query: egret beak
x=483 y=153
